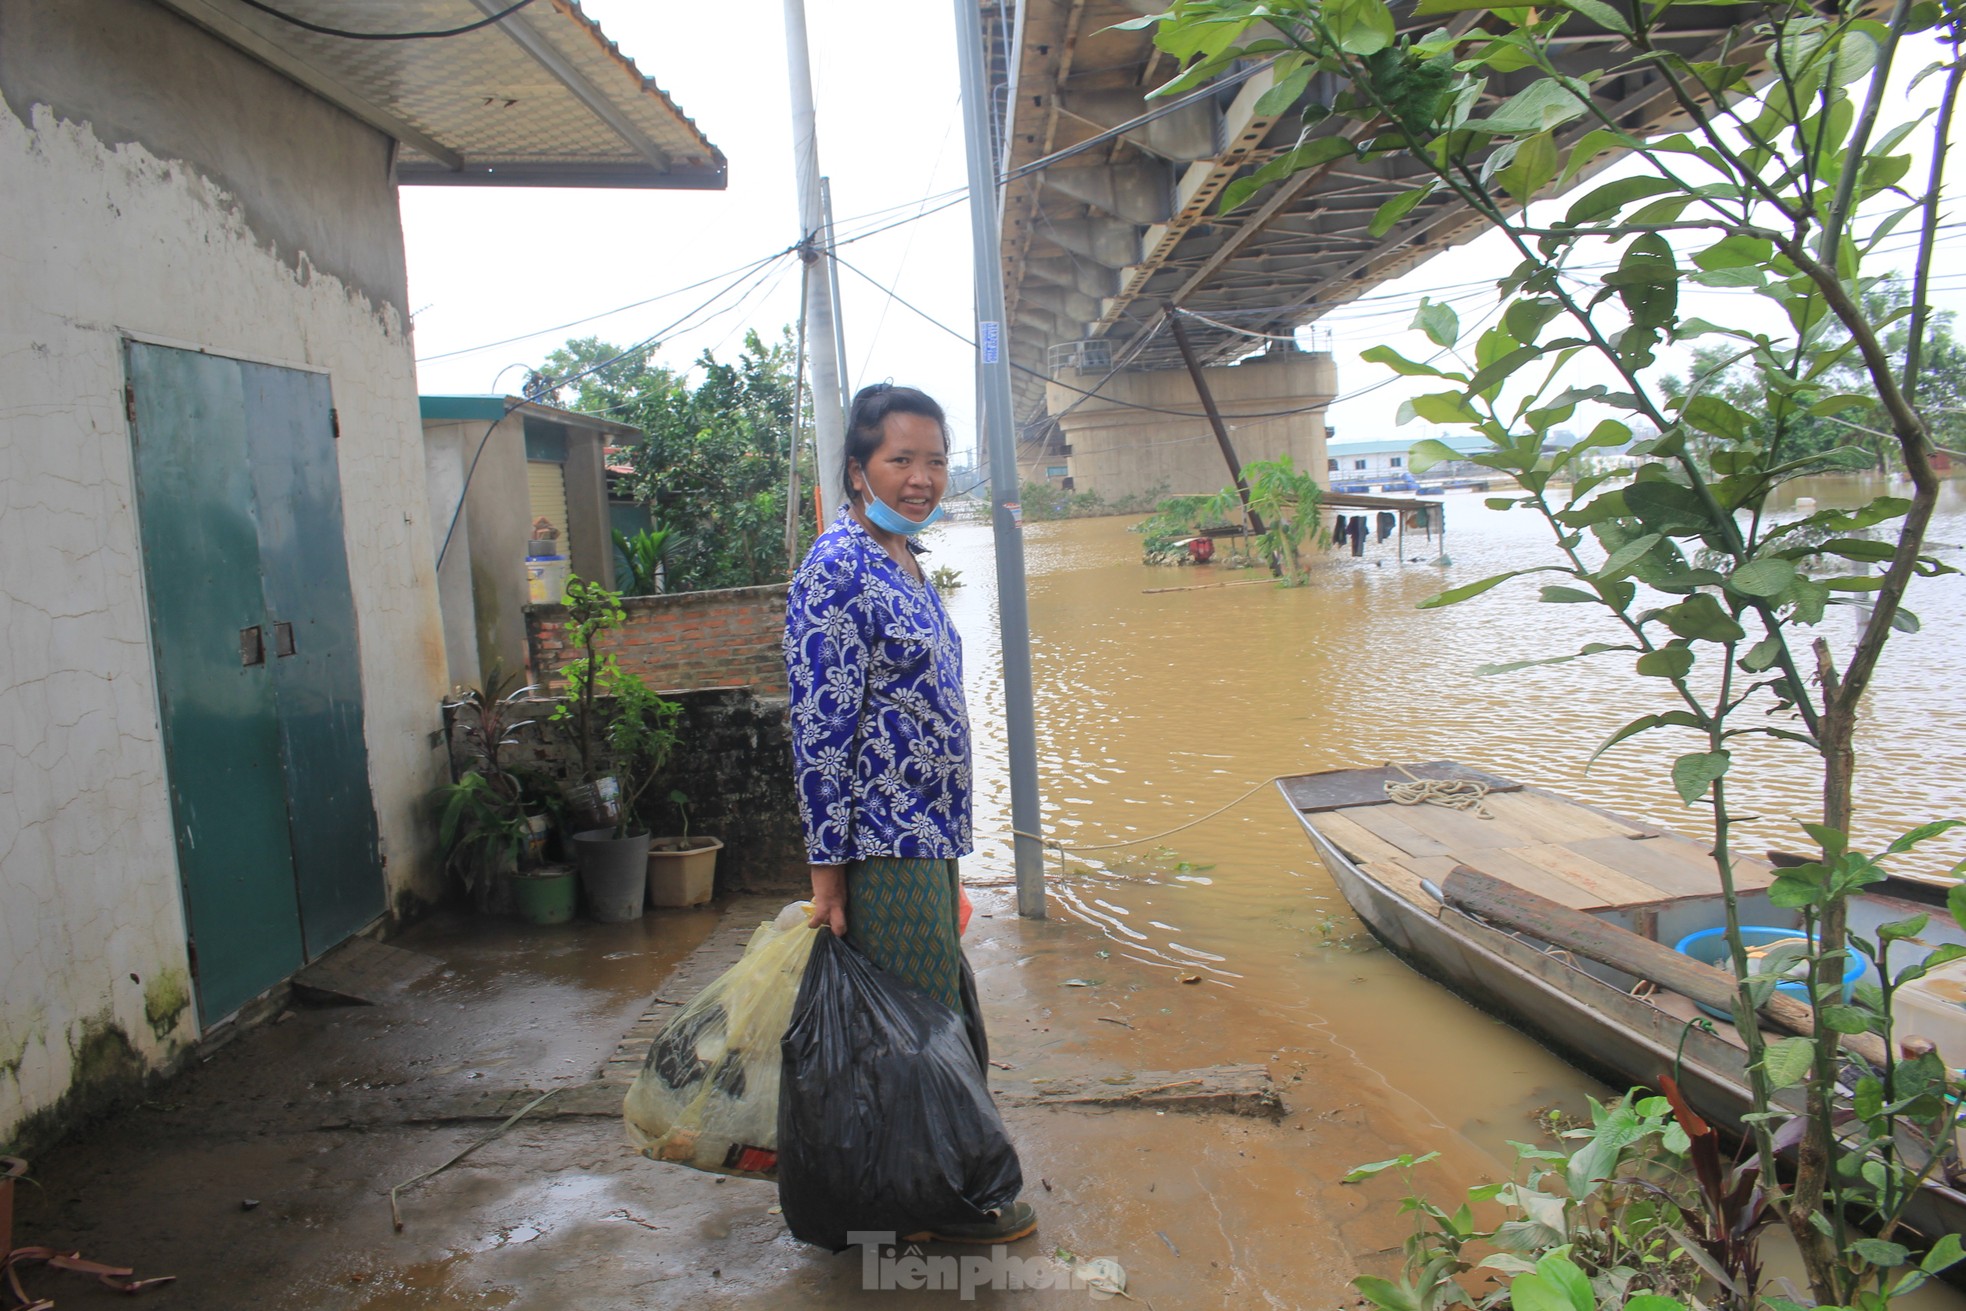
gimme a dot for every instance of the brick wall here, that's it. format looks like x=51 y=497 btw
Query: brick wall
x=686 y=642
x=718 y=655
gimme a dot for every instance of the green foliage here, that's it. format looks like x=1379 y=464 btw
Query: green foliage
x=1593 y=1227
x=945 y=579
x=1845 y=427
x=638 y=560
x=618 y=724
x=1779 y=190
x=483 y=831
x=1286 y=500
x=1175 y=520
x=1042 y=501
x=481 y=818
x=712 y=468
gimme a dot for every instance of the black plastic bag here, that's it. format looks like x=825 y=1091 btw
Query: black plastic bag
x=885 y=1123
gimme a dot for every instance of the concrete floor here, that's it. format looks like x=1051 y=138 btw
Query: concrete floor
x=260 y=1178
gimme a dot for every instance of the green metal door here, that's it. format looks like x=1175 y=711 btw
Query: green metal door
x=240 y=505
x=317 y=680
x=208 y=630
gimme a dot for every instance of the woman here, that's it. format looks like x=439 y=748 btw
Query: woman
x=880 y=735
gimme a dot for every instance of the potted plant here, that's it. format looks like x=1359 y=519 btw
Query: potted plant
x=593 y=799
x=625 y=729
x=682 y=870
x=487 y=828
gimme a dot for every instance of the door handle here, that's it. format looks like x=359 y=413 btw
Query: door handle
x=252 y=646
x=283 y=639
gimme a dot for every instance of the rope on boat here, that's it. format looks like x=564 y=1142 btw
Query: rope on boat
x=1464 y=794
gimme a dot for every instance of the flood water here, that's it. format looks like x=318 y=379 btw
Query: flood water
x=1155 y=708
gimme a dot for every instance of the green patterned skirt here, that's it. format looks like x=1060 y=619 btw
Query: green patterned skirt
x=901 y=914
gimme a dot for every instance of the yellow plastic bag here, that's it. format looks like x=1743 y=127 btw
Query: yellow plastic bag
x=707 y=1095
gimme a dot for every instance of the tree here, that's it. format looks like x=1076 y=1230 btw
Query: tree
x=1782 y=184
x=712 y=468
x=1853 y=438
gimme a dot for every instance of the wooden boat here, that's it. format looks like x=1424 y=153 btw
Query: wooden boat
x=1560 y=918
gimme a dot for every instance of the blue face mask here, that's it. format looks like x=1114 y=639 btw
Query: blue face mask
x=893 y=521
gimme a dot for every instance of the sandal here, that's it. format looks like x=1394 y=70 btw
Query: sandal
x=1018 y=1220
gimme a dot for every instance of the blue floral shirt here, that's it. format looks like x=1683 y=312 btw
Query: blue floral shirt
x=880 y=737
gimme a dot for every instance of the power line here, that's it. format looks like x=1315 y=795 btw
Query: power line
x=632 y=305
x=346 y=35
x=465 y=491
x=874 y=338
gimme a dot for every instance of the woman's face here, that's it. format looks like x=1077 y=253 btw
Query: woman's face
x=910 y=469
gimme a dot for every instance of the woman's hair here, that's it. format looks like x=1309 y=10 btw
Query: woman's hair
x=866 y=422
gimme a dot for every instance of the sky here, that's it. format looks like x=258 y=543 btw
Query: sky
x=487 y=265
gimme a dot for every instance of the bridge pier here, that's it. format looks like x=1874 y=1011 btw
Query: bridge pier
x=1273 y=404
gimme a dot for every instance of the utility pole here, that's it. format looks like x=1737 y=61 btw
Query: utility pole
x=1215 y=421
x=828 y=415
x=839 y=310
x=995 y=420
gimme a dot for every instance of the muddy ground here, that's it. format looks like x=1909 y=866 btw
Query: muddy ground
x=260 y=1177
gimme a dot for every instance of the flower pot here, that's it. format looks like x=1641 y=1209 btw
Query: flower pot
x=593 y=805
x=682 y=871
x=613 y=874
x=544 y=895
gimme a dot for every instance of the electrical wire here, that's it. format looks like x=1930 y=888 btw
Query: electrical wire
x=619 y=309
x=1077 y=148
x=303 y=24
x=1039 y=373
x=901 y=265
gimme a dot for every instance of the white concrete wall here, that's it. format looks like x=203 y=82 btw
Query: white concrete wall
x=446 y=456
x=107 y=237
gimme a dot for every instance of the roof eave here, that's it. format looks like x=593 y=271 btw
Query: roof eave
x=425 y=173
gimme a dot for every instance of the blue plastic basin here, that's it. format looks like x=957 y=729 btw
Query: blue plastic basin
x=1709 y=946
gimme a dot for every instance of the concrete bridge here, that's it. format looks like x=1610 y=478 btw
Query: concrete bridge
x=1097 y=249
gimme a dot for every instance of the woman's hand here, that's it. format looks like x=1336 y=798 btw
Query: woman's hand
x=829 y=898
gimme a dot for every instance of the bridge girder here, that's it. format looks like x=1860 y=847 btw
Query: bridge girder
x=1134 y=219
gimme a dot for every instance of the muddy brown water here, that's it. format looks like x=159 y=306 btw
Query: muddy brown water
x=1154 y=708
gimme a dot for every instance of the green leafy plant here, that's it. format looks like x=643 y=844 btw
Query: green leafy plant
x=945 y=579
x=1174 y=520
x=483 y=830
x=639 y=560
x=618 y=723
x=1595 y=1226
x=1286 y=500
x=680 y=800
x=1782 y=185
x=482 y=817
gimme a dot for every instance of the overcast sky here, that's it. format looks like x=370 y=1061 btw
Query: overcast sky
x=490 y=264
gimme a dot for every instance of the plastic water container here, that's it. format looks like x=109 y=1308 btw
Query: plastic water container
x=546 y=580
x=1934 y=1008
x=1709 y=946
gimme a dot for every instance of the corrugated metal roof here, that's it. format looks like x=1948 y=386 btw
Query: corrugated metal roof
x=438 y=409
x=540 y=98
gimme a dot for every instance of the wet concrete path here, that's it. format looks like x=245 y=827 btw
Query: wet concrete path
x=314 y=1118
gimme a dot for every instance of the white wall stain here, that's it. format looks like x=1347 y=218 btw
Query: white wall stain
x=107 y=241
